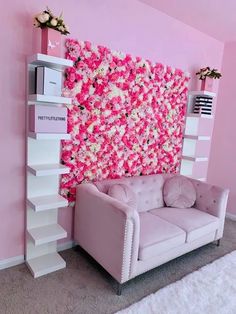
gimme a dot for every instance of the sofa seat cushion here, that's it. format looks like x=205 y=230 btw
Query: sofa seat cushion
x=157 y=236
x=196 y=223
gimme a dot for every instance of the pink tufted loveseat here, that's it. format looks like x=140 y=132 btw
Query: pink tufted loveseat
x=128 y=242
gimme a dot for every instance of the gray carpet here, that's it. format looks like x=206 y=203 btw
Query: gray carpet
x=84 y=287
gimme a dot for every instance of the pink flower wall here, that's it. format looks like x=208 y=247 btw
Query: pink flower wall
x=126 y=119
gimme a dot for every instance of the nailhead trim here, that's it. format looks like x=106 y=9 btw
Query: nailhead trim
x=124 y=249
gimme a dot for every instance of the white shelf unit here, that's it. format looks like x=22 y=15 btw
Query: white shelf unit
x=45 y=202
x=198 y=115
x=43 y=169
x=202 y=93
x=40 y=59
x=197 y=139
x=200 y=179
x=196 y=146
x=45 y=264
x=47 y=169
x=191 y=101
x=194 y=158
x=45 y=234
x=36 y=98
x=49 y=136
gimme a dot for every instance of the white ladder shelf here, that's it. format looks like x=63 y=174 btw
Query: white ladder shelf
x=197 y=139
x=42 y=179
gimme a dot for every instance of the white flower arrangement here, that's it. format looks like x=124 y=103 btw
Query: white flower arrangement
x=208 y=72
x=48 y=19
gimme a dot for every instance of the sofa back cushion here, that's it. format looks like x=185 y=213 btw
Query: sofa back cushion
x=123 y=193
x=147 y=188
x=179 y=192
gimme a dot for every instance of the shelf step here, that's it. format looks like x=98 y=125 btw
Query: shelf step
x=46 y=202
x=37 y=98
x=194 y=177
x=193 y=158
x=197 y=137
x=46 y=234
x=48 y=169
x=49 y=136
x=199 y=115
x=45 y=264
x=202 y=93
x=40 y=59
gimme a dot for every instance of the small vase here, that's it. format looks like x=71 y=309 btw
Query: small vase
x=207 y=84
x=51 y=42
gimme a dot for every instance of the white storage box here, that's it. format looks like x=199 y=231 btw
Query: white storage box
x=48 y=81
x=47 y=119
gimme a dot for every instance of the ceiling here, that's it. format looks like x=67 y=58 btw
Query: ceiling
x=216 y=18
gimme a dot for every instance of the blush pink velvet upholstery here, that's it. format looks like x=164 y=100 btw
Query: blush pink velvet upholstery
x=193 y=221
x=147 y=188
x=127 y=241
x=157 y=236
x=179 y=191
x=124 y=194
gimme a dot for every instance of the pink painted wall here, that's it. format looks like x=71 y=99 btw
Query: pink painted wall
x=222 y=165
x=199 y=15
x=130 y=26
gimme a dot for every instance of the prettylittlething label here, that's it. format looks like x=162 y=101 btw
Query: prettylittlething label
x=51 y=118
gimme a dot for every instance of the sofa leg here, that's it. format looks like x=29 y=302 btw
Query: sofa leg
x=119 y=289
x=218 y=243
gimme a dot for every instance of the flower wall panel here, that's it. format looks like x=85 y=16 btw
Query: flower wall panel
x=126 y=118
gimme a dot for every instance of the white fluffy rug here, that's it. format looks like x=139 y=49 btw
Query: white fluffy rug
x=209 y=290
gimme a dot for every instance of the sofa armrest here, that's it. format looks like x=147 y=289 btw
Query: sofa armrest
x=213 y=200
x=107 y=229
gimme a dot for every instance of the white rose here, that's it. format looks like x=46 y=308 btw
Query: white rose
x=107 y=113
x=205 y=72
x=61 y=28
x=43 y=17
x=46 y=16
x=91 y=90
x=40 y=18
x=53 y=22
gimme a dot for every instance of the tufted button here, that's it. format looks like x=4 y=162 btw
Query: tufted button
x=200 y=196
x=214 y=201
x=143 y=182
x=131 y=183
x=147 y=202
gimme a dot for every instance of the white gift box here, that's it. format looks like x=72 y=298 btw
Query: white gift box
x=48 y=81
x=47 y=119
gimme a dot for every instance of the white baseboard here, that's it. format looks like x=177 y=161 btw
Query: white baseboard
x=231 y=216
x=17 y=260
x=13 y=261
x=65 y=246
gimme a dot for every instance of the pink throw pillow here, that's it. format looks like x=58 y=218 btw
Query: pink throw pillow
x=123 y=193
x=179 y=192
